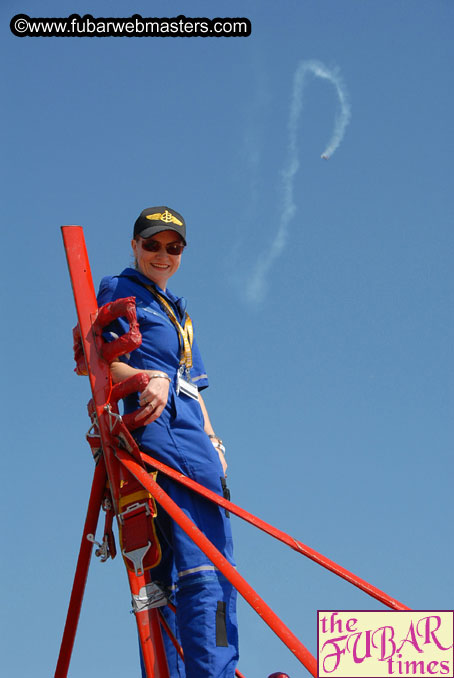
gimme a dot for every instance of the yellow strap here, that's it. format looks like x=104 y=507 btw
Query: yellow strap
x=185 y=334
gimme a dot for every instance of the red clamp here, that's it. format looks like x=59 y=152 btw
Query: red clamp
x=133 y=384
x=120 y=308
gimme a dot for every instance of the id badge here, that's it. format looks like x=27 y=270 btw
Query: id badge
x=185 y=387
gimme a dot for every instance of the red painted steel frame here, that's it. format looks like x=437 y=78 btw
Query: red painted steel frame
x=277 y=534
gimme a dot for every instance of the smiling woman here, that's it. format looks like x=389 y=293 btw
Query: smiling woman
x=176 y=429
x=159 y=257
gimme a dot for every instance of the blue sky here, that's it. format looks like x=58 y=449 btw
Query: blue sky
x=333 y=393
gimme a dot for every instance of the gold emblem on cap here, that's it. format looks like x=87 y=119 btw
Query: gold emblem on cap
x=166 y=217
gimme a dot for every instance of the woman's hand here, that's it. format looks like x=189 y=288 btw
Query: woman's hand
x=217 y=442
x=153 y=398
x=220 y=449
x=223 y=462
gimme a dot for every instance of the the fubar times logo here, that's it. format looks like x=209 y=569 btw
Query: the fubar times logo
x=377 y=644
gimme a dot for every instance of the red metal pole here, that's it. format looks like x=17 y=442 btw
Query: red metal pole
x=277 y=534
x=100 y=382
x=87 y=309
x=170 y=634
x=83 y=563
x=259 y=605
x=153 y=652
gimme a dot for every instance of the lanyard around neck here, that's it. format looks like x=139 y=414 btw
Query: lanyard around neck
x=185 y=332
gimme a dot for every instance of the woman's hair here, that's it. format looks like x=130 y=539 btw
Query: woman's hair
x=136 y=265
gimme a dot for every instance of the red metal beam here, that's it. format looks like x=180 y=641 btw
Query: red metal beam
x=170 y=633
x=80 y=577
x=148 y=626
x=87 y=310
x=277 y=534
x=101 y=386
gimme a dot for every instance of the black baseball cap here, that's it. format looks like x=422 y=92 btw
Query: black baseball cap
x=153 y=220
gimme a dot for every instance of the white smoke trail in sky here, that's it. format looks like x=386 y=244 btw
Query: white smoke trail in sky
x=256 y=287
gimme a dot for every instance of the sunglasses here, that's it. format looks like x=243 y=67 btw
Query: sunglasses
x=172 y=248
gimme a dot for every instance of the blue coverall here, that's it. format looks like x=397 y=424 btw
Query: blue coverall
x=205 y=600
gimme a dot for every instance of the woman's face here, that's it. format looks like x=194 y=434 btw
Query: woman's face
x=157 y=266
